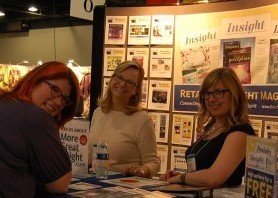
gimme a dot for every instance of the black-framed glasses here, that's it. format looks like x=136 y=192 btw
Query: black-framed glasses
x=217 y=93
x=128 y=83
x=56 y=93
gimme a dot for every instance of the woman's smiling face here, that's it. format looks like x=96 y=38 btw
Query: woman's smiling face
x=51 y=95
x=218 y=107
x=124 y=84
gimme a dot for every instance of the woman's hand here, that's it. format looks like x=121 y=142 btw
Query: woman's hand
x=170 y=176
x=131 y=171
x=142 y=171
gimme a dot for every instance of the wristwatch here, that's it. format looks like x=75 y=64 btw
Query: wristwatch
x=182 y=177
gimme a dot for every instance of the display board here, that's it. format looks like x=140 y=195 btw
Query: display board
x=178 y=45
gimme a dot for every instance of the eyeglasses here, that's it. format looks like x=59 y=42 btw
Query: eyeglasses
x=128 y=83
x=56 y=93
x=217 y=93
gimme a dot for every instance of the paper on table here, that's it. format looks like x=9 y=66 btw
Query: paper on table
x=135 y=182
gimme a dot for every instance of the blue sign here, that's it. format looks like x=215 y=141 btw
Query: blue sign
x=186 y=98
x=262 y=99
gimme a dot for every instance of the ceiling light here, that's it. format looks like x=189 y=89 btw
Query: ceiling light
x=33 y=9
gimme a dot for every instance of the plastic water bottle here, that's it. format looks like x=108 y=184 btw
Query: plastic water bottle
x=94 y=159
x=102 y=160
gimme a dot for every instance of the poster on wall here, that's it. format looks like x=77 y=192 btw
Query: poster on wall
x=272 y=75
x=139 y=30
x=182 y=129
x=112 y=58
x=186 y=98
x=161 y=62
x=247 y=40
x=242 y=42
x=162 y=152
x=178 y=162
x=74 y=136
x=162 y=30
x=161 y=126
x=145 y=92
x=257 y=126
x=199 y=54
x=141 y=56
x=197 y=47
x=115 y=30
x=261 y=99
x=237 y=54
x=159 y=95
x=271 y=130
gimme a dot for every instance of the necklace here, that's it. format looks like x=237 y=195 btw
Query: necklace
x=212 y=130
x=205 y=136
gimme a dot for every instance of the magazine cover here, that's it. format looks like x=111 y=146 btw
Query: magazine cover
x=115 y=30
x=112 y=58
x=237 y=55
x=161 y=125
x=178 y=162
x=139 y=30
x=159 y=95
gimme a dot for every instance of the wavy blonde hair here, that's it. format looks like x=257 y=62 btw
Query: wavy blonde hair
x=105 y=102
x=239 y=106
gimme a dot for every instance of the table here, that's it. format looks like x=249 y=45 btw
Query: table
x=198 y=192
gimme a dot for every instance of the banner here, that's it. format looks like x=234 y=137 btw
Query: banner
x=74 y=136
x=262 y=99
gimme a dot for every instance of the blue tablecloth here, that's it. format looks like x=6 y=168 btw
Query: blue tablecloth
x=90 y=179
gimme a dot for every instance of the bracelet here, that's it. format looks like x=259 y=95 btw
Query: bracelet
x=143 y=172
x=140 y=170
x=182 y=176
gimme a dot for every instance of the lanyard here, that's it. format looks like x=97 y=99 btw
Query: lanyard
x=201 y=147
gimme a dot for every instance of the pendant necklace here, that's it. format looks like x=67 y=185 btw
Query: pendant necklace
x=204 y=137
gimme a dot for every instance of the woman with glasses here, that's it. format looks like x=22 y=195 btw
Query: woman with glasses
x=218 y=156
x=128 y=131
x=33 y=159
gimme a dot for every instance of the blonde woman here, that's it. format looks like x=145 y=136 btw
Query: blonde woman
x=218 y=156
x=128 y=131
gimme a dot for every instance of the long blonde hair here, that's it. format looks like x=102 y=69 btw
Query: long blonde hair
x=105 y=102
x=239 y=105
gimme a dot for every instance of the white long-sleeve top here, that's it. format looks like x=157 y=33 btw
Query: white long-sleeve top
x=130 y=138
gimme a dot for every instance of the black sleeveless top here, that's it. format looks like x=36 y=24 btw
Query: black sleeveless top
x=206 y=156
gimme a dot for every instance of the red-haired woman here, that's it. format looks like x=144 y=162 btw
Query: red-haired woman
x=32 y=155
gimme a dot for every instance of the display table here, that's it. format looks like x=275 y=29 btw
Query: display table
x=136 y=184
x=167 y=190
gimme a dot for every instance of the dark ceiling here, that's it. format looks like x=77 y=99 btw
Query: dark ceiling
x=51 y=13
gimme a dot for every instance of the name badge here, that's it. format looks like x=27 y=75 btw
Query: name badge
x=191 y=163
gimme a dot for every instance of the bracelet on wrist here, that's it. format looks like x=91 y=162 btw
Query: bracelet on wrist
x=140 y=173
x=182 y=178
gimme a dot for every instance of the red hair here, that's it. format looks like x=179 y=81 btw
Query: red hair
x=47 y=71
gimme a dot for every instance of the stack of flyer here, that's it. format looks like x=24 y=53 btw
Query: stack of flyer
x=261 y=167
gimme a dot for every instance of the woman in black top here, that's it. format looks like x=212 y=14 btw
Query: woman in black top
x=218 y=156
